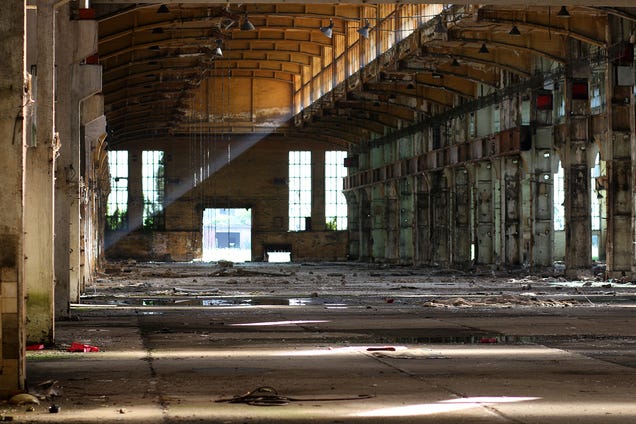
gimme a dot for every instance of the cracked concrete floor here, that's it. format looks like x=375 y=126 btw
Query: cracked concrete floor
x=340 y=343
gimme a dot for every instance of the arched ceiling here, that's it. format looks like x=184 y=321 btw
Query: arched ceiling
x=154 y=60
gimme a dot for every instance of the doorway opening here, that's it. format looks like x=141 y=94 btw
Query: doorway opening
x=227 y=235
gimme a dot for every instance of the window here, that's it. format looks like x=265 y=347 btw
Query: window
x=597 y=100
x=117 y=204
x=153 y=183
x=559 y=200
x=335 y=202
x=299 y=191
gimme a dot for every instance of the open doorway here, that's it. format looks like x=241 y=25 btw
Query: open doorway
x=227 y=235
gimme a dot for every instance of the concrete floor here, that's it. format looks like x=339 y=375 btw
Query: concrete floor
x=341 y=344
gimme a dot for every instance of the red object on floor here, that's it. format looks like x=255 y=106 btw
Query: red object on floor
x=488 y=340
x=80 y=347
x=35 y=347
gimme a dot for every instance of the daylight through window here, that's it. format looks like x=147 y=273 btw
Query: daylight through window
x=335 y=201
x=117 y=205
x=299 y=190
x=153 y=188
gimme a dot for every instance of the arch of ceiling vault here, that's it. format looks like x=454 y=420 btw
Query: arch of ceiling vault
x=153 y=63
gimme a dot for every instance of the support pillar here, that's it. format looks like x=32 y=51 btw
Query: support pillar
x=578 y=233
x=440 y=245
x=392 y=222
x=484 y=214
x=74 y=84
x=378 y=223
x=12 y=162
x=366 y=226
x=423 y=225
x=461 y=210
x=39 y=180
x=620 y=156
x=353 y=224
x=538 y=223
x=407 y=219
x=318 y=219
x=511 y=211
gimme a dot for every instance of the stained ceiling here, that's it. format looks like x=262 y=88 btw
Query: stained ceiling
x=155 y=56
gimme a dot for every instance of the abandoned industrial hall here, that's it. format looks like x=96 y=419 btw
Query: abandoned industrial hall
x=253 y=141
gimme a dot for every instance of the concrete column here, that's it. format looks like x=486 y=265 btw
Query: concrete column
x=484 y=214
x=92 y=220
x=407 y=220
x=462 y=237
x=135 y=190
x=74 y=83
x=39 y=180
x=620 y=154
x=440 y=240
x=511 y=211
x=12 y=162
x=378 y=223
x=366 y=225
x=353 y=224
x=578 y=234
x=392 y=222
x=538 y=199
x=423 y=224
x=318 y=219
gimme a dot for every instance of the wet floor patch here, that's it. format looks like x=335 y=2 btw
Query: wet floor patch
x=205 y=301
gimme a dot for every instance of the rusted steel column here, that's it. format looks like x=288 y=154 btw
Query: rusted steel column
x=484 y=214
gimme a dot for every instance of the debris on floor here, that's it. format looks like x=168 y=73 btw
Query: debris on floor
x=81 y=347
x=24 y=399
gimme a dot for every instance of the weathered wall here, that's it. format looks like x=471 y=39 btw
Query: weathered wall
x=255 y=179
x=12 y=101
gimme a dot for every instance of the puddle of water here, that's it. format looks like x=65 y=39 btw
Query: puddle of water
x=202 y=301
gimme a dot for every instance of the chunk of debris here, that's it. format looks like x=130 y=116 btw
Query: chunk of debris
x=24 y=399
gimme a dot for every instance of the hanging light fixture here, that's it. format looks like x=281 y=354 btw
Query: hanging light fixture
x=218 y=51
x=514 y=31
x=364 y=31
x=483 y=48
x=455 y=63
x=328 y=30
x=163 y=9
x=247 y=25
x=563 y=12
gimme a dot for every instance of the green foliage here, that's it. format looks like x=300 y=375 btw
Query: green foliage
x=332 y=224
x=117 y=221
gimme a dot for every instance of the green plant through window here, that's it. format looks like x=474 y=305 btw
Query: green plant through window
x=117 y=204
x=153 y=185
